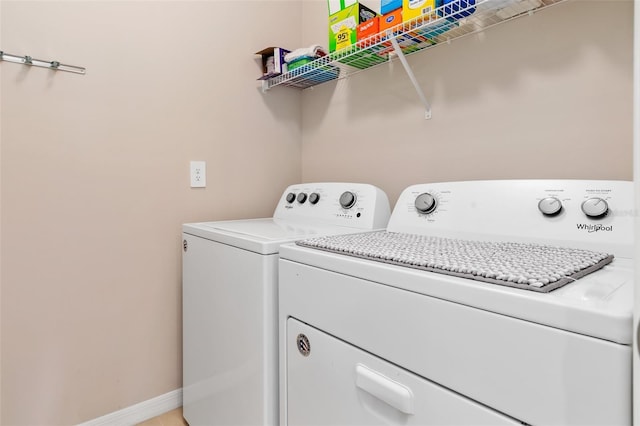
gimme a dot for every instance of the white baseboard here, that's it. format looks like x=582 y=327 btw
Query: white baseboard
x=140 y=412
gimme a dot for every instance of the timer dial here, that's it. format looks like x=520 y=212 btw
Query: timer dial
x=291 y=197
x=595 y=207
x=302 y=197
x=347 y=199
x=314 y=198
x=550 y=206
x=426 y=203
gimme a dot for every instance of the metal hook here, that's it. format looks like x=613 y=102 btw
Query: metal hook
x=55 y=64
x=28 y=60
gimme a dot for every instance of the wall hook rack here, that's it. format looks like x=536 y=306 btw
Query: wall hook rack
x=28 y=60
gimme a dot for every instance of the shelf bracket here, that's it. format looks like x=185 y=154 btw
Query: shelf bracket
x=412 y=77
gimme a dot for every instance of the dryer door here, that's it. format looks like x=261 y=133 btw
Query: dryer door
x=330 y=382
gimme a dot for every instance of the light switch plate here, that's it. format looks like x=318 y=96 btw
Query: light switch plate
x=198 y=174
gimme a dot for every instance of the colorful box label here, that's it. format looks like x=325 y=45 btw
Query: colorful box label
x=273 y=63
x=391 y=19
x=387 y=6
x=368 y=28
x=343 y=25
x=412 y=9
x=343 y=28
x=336 y=6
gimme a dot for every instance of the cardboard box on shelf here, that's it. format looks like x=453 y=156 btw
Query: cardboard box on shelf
x=412 y=9
x=336 y=6
x=273 y=63
x=343 y=28
x=368 y=28
x=387 y=6
x=390 y=19
x=365 y=14
x=343 y=24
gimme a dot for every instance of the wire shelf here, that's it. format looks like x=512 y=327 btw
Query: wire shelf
x=446 y=23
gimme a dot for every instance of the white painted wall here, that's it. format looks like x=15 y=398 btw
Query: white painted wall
x=95 y=185
x=94 y=169
x=545 y=96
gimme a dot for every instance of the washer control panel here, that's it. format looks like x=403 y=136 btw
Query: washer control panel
x=595 y=207
x=426 y=203
x=550 y=206
x=563 y=212
x=346 y=204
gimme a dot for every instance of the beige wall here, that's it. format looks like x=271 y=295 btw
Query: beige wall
x=95 y=185
x=546 y=96
x=94 y=169
x=0 y=220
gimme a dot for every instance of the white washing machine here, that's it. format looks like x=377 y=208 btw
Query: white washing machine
x=230 y=276
x=486 y=302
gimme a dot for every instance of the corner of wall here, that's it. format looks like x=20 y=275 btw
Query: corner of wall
x=0 y=220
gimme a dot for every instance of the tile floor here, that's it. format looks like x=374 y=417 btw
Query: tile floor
x=171 y=418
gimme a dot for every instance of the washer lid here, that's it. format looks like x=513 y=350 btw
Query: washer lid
x=263 y=236
x=265 y=229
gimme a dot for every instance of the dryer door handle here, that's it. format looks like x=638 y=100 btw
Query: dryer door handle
x=393 y=393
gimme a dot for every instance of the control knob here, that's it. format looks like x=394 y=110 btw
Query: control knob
x=302 y=197
x=550 y=206
x=314 y=198
x=347 y=199
x=291 y=197
x=595 y=207
x=426 y=203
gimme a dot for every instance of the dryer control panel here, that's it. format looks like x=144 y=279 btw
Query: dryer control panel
x=595 y=214
x=355 y=205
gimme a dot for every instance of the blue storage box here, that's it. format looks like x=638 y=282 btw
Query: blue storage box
x=387 y=6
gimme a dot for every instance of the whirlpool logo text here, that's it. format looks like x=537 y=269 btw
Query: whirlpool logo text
x=594 y=228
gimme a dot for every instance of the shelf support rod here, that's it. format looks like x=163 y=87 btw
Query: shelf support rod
x=412 y=77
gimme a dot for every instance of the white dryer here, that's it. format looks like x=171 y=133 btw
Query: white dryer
x=230 y=276
x=470 y=309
